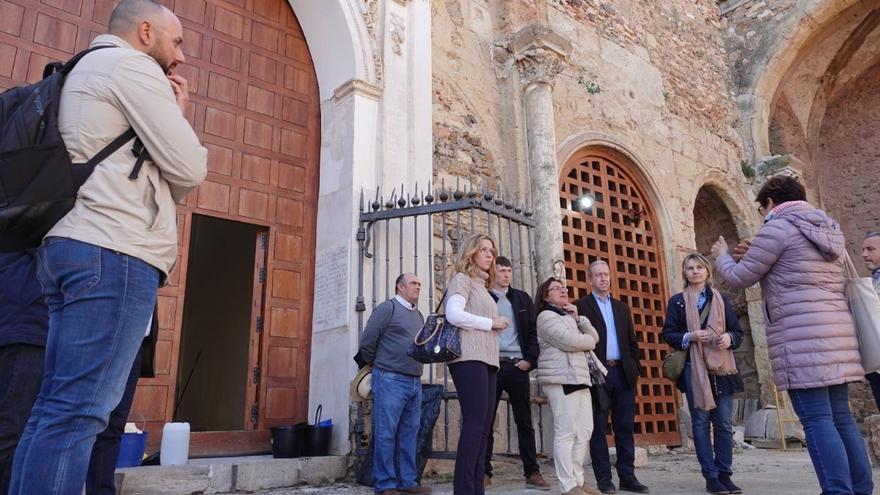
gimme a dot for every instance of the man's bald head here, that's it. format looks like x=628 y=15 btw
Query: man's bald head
x=149 y=27
x=129 y=13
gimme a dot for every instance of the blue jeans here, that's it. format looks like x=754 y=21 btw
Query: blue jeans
x=836 y=448
x=99 y=303
x=101 y=477
x=397 y=403
x=714 y=453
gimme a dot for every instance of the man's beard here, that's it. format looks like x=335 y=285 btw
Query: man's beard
x=164 y=64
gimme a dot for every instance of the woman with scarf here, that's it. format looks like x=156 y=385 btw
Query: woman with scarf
x=798 y=258
x=564 y=363
x=701 y=321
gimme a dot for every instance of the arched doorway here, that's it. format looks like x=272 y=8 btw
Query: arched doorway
x=622 y=229
x=713 y=219
x=255 y=106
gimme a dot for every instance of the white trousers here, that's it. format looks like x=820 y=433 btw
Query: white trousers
x=572 y=427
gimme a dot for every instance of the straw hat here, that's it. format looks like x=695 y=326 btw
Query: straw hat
x=361 y=388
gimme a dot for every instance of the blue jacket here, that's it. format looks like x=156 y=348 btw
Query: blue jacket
x=24 y=317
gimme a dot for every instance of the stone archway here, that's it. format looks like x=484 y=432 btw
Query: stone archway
x=712 y=218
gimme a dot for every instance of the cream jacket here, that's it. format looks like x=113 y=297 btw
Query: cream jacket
x=107 y=92
x=564 y=347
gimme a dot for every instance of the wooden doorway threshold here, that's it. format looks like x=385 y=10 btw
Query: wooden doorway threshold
x=229 y=443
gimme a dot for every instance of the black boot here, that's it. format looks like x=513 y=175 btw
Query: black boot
x=725 y=480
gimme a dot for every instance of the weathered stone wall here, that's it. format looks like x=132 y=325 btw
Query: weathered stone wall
x=848 y=164
x=752 y=27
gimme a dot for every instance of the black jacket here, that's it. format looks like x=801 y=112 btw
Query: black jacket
x=24 y=316
x=626 y=335
x=524 y=309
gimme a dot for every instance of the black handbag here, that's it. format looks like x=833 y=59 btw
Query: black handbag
x=438 y=341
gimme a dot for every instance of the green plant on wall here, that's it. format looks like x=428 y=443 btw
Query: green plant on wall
x=747 y=169
x=590 y=82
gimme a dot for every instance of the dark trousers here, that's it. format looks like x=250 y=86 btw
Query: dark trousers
x=21 y=372
x=100 y=478
x=515 y=382
x=475 y=384
x=874 y=380
x=623 y=415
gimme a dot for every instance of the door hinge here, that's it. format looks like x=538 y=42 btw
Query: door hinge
x=259 y=324
x=256 y=375
x=254 y=411
x=264 y=240
x=262 y=275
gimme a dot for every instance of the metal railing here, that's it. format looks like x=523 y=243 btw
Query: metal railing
x=419 y=232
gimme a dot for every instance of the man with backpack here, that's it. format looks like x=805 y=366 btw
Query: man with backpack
x=101 y=265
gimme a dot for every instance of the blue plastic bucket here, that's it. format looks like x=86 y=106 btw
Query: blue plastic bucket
x=131 y=449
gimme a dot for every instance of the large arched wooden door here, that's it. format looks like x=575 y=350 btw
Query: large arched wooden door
x=255 y=106
x=622 y=229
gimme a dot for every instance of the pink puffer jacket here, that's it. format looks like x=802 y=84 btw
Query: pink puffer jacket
x=797 y=257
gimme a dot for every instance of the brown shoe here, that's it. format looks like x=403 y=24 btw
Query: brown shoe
x=487 y=481
x=415 y=489
x=537 y=481
x=589 y=490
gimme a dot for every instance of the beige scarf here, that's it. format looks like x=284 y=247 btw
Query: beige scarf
x=707 y=359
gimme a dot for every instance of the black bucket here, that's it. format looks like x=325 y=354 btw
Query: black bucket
x=318 y=437
x=288 y=441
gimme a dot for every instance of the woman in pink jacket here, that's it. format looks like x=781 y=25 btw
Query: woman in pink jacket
x=797 y=257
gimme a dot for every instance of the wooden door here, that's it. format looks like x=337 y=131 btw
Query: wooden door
x=622 y=229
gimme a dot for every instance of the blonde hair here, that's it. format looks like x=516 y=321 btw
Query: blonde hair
x=465 y=263
x=702 y=260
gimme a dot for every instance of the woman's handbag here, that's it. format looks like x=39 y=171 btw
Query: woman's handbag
x=673 y=364
x=599 y=394
x=438 y=341
x=864 y=304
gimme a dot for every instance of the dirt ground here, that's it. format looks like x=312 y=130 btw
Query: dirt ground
x=758 y=472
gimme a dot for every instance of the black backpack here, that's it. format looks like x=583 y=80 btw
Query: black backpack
x=38 y=180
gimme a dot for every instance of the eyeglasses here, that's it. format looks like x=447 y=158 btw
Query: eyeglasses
x=761 y=209
x=487 y=251
x=558 y=287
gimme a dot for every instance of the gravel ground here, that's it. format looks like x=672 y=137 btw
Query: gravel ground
x=758 y=472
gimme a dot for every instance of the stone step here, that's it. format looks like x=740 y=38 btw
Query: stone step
x=230 y=474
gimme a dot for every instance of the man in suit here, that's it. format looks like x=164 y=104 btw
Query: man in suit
x=619 y=352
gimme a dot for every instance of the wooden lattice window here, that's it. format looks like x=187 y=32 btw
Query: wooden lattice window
x=621 y=228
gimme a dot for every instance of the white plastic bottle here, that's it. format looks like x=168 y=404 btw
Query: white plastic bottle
x=175 y=444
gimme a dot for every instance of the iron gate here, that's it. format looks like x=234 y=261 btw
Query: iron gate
x=419 y=232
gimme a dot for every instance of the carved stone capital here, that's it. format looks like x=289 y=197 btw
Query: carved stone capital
x=540 y=54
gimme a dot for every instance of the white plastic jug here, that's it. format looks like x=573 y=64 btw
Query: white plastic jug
x=175 y=444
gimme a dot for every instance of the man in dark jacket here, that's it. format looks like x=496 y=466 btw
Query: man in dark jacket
x=518 y=355
x=618 y=350
x=24 y=325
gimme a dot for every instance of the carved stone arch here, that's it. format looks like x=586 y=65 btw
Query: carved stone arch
x=763 y=81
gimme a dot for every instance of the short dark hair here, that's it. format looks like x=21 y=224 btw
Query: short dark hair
x=872 y=233
x=399 y=281
x=541 y=293
x=502 y=261
x=780 y=189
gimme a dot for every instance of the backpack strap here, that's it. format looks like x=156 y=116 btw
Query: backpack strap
x=84 y=170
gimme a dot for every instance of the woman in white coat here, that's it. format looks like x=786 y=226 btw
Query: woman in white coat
x=564 y=372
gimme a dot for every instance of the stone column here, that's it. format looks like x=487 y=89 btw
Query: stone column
x=540 y=56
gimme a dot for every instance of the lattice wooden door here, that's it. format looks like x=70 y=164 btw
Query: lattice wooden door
x=622 y=230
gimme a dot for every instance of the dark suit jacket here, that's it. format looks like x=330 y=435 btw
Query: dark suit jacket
x=527 y=332
x=626 y=335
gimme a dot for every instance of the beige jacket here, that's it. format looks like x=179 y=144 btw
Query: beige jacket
x=564 y=348
x=107 y=92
